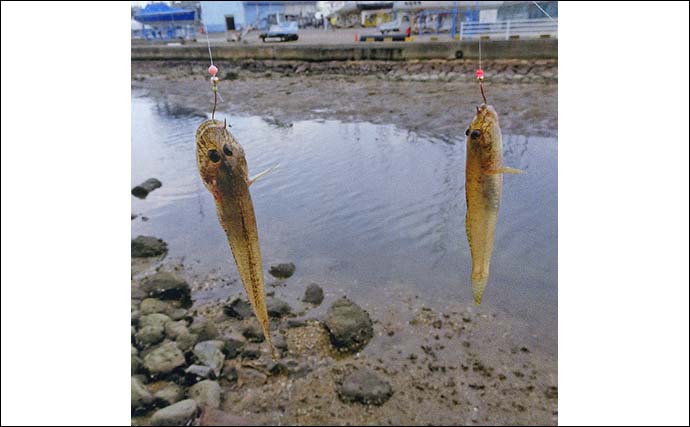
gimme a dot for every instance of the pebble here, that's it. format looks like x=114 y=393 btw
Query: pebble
x=177 y=414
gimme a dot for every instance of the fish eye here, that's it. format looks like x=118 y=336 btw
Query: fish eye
x=475 y=133
x=467 y=131
x=226 y=150
x=214 y=156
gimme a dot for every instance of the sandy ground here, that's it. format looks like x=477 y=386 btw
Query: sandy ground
x=462 y=365
x=441 y=108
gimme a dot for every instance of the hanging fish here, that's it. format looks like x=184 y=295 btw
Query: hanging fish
x=223 y=169
x=483 y=185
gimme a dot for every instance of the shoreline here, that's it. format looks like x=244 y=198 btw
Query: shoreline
x=527 y=105
x=462 y=365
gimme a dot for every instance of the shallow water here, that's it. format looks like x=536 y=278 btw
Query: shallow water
x=357 y=206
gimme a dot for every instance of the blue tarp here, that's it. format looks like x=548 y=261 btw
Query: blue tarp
x=161 y=12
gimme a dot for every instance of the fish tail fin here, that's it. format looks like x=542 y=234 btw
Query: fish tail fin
x=274 y=355
x=264 y=322
x=478 y=286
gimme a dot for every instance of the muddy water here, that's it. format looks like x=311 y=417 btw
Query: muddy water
x=361 y=209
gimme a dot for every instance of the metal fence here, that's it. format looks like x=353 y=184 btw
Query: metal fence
x=518 y=28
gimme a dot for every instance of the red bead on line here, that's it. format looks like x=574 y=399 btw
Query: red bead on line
x=213 y=70
x=480 y=74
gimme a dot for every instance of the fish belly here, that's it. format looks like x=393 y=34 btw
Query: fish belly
x=483 y=200
x=239 y=222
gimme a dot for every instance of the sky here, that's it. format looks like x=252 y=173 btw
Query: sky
x=144 y=3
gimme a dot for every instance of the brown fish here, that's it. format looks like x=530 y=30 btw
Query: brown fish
x=223 y=169
x=483 y=187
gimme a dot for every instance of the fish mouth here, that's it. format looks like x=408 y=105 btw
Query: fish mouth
x=486 y=112
x=208 y=124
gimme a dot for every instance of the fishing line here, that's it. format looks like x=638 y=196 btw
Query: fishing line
x=208 y=43
x=480 y=72
x=212 y=70
x=543 y=11
x=480 y=38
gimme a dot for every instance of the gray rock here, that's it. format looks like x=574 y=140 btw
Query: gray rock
x=206 y=393
x=175 y=329
x=253 y=333
x=238 y=309
x=134 y=351
x=168 y=394
x=233 y=347
x=186 y=340
x=204 y=329
x=167 y=286
x=153 y=305
x=209 y=354
x=142 y=190
x=134 y=331
x=137 y=293
x=165 y=358
x=194 y=373
x=313 y=294
x=149 y=335
x=219 y=344
x=141 y=398
x=364 y=386
x=282 y=271
x=251 y=353
x=276 y=307
x=349 y=326
x=148 y=246
x=280 y=343
x=178 y=314
x=155 y=319
x=178 y=414
x=135 y=364
x=136 y=314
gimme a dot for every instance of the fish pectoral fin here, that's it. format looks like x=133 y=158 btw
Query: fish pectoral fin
x=504 y=169
x=251 y=180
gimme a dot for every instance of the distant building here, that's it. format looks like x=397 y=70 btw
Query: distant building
x=220 y=16
x=436 y=15
x=161 y=21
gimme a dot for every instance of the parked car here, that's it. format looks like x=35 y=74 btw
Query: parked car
x=280 y=29
x=399 y=24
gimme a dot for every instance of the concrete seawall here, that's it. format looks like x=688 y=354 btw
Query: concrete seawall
x=380 y=51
